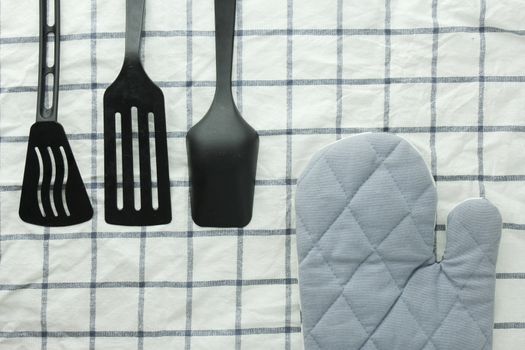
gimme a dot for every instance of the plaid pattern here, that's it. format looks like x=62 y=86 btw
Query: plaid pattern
x=446 y=75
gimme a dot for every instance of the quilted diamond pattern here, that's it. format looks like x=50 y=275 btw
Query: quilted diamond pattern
x=368 y=275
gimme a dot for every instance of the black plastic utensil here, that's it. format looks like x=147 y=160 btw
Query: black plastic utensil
x=222 y=147
x=53 y=193
x=133 y=113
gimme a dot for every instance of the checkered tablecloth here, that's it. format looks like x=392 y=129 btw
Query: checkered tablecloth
x=447 y=75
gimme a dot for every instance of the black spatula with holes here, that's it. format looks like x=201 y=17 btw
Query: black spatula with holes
x=222 y=148
x=53 y=193
x=136 y=184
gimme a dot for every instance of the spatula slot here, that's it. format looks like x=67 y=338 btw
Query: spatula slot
x=50 y=50
x=120 y=176
x=136 y=157
x=48 y=91
x=64 y=183
x=153 y=162
x=40 y=180
x=50 y=12
x=52 y=181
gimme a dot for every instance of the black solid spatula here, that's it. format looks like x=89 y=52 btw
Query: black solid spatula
x=53 y=193
x=222 y=148
x=135 y=143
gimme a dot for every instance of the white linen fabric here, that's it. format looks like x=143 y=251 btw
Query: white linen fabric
x=446 y=75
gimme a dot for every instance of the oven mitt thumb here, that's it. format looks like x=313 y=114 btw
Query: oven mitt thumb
x=367 y=272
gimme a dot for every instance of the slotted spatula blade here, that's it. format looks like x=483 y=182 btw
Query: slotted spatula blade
x=53 y=193
x=136 y=183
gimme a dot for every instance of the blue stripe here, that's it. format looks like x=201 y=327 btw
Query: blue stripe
x=313 y=131
x=509 y=325
x=189 y=123
x=151 y=334
x=149 y=234
x=240 y=236
x=289 y=125
x=481 y=102
x=511 y=276
x=44 y=294
x=269 y=32
x=141 y=287
x=388 y=54
x=1 y=115
x=150 y=284
x=433 y=91
x=94 y=170
x=292 y=182
x=339 y=88
x=294 y=82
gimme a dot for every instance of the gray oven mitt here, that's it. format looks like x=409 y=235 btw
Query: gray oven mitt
x=368 y=276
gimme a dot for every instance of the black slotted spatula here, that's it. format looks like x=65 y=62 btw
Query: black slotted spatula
x=222 y=148
x=53 y=193
x=134 y=102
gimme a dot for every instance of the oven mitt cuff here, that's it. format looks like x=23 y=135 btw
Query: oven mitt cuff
x=368 y=275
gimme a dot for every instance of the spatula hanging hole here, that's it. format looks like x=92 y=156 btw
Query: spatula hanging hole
x=48 y=91
x=120 y=173
x=52 y=181
x=40 y=179
x=153 y=162
x=50 y=12
x=64 y=183
x=50 y=50
x=136 y=156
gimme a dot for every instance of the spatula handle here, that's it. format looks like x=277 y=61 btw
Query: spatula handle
x=134 y=23
x=224 y=30
x=49 y=33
